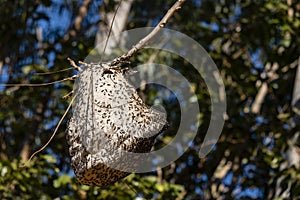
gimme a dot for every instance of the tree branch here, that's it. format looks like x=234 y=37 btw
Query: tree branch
x=260 y=97
x=81 y=15
x=115 y=23
x=147 y=39
x=296 y=92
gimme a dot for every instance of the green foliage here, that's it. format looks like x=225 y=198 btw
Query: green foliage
x=30 y=181
x=42 y=179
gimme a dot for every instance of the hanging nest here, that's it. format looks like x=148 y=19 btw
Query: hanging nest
x=109 y=119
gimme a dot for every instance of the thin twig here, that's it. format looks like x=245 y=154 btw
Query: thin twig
x=53 y=134
x=147 y=39
x=37 y=84
x=110 y=28
x=73 y=64
x=49 y=73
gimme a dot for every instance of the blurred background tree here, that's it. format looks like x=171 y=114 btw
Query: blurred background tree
x=256 y=46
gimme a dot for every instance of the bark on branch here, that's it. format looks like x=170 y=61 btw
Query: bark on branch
x=296 y=92
x=82 y=14
x=260 y=97
x=148 y=38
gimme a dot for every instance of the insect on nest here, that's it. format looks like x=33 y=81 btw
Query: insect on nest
x=109 y=119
